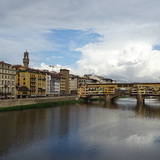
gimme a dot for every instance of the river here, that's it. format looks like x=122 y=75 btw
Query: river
x=93 y=131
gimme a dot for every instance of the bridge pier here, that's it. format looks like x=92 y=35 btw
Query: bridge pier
x=140 y=99
x=107 y=98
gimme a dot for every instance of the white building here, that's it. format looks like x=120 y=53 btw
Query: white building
x=73 y=84
x=48 y=86
x=100 y=79
x=55 y=85
x=86 y=80
x=7 y=80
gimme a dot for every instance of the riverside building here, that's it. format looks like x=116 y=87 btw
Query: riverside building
x=30 y=83
x=73 y=84
x=7 y=80
x=64 y=84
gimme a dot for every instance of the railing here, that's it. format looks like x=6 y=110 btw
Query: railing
x=5 y=93
x=32 y=81
x=32 y=85
x=32 y=77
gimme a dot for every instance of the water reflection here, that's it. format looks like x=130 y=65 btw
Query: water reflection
x=148 y=111
x=151 y=107
x=83 y=132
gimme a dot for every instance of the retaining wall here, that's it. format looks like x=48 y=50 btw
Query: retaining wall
x=25 y=101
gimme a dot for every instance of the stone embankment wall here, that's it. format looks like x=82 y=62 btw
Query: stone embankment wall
x=25 y=101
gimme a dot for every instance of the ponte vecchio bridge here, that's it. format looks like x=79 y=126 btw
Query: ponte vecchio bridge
x=112 y=90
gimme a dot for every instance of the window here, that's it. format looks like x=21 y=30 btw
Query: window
x=12 y=90
x=23 y=75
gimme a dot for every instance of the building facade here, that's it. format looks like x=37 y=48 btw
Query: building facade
x=7 y=80
x=65 y=74
x=30 y=83
x=99 y=79
x=55 y=84
x=73 y=84
x=62 y=85
x=48 y=84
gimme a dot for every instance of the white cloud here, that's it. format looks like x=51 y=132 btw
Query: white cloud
x=129 y=29
x=55 y=57
x=55 y=68
x=134 y=61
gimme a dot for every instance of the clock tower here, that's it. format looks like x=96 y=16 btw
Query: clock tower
x=26 y=59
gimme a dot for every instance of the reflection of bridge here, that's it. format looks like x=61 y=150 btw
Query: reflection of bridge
x=112 y=90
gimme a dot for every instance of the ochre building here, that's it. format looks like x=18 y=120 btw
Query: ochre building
x=30 y=83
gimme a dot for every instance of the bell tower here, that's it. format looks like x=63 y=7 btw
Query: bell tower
x=26 y=59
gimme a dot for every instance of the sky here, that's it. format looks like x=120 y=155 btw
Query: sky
x=117 y=39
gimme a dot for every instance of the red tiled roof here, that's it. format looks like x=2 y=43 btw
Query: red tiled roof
x=2 y=62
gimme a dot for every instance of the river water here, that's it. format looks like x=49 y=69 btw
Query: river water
x=93 y=131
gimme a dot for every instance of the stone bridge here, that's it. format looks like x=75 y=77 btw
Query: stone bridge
x=112 y=90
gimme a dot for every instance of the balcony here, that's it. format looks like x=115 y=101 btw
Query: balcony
x=5 y=93
x=32 y=81
x=22 y=88
x=32 y=77
x=32 y=85
x=41 y=89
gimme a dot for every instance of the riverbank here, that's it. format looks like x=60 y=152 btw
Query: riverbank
x=39 y=105
x=28 y=103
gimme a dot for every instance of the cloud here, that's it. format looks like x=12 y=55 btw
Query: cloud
x=57 y=57
x=132 y=62
x=55 y=68
x=128 y=32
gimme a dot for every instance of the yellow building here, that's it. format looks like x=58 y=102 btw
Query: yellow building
x=30 y=82
x=62 y=85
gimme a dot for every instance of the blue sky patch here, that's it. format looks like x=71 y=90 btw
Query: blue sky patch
x=67 y=41
x=72 y=39
x=156 y=47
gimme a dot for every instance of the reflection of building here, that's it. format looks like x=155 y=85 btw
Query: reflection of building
x=7 y=80
x=148 y=110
